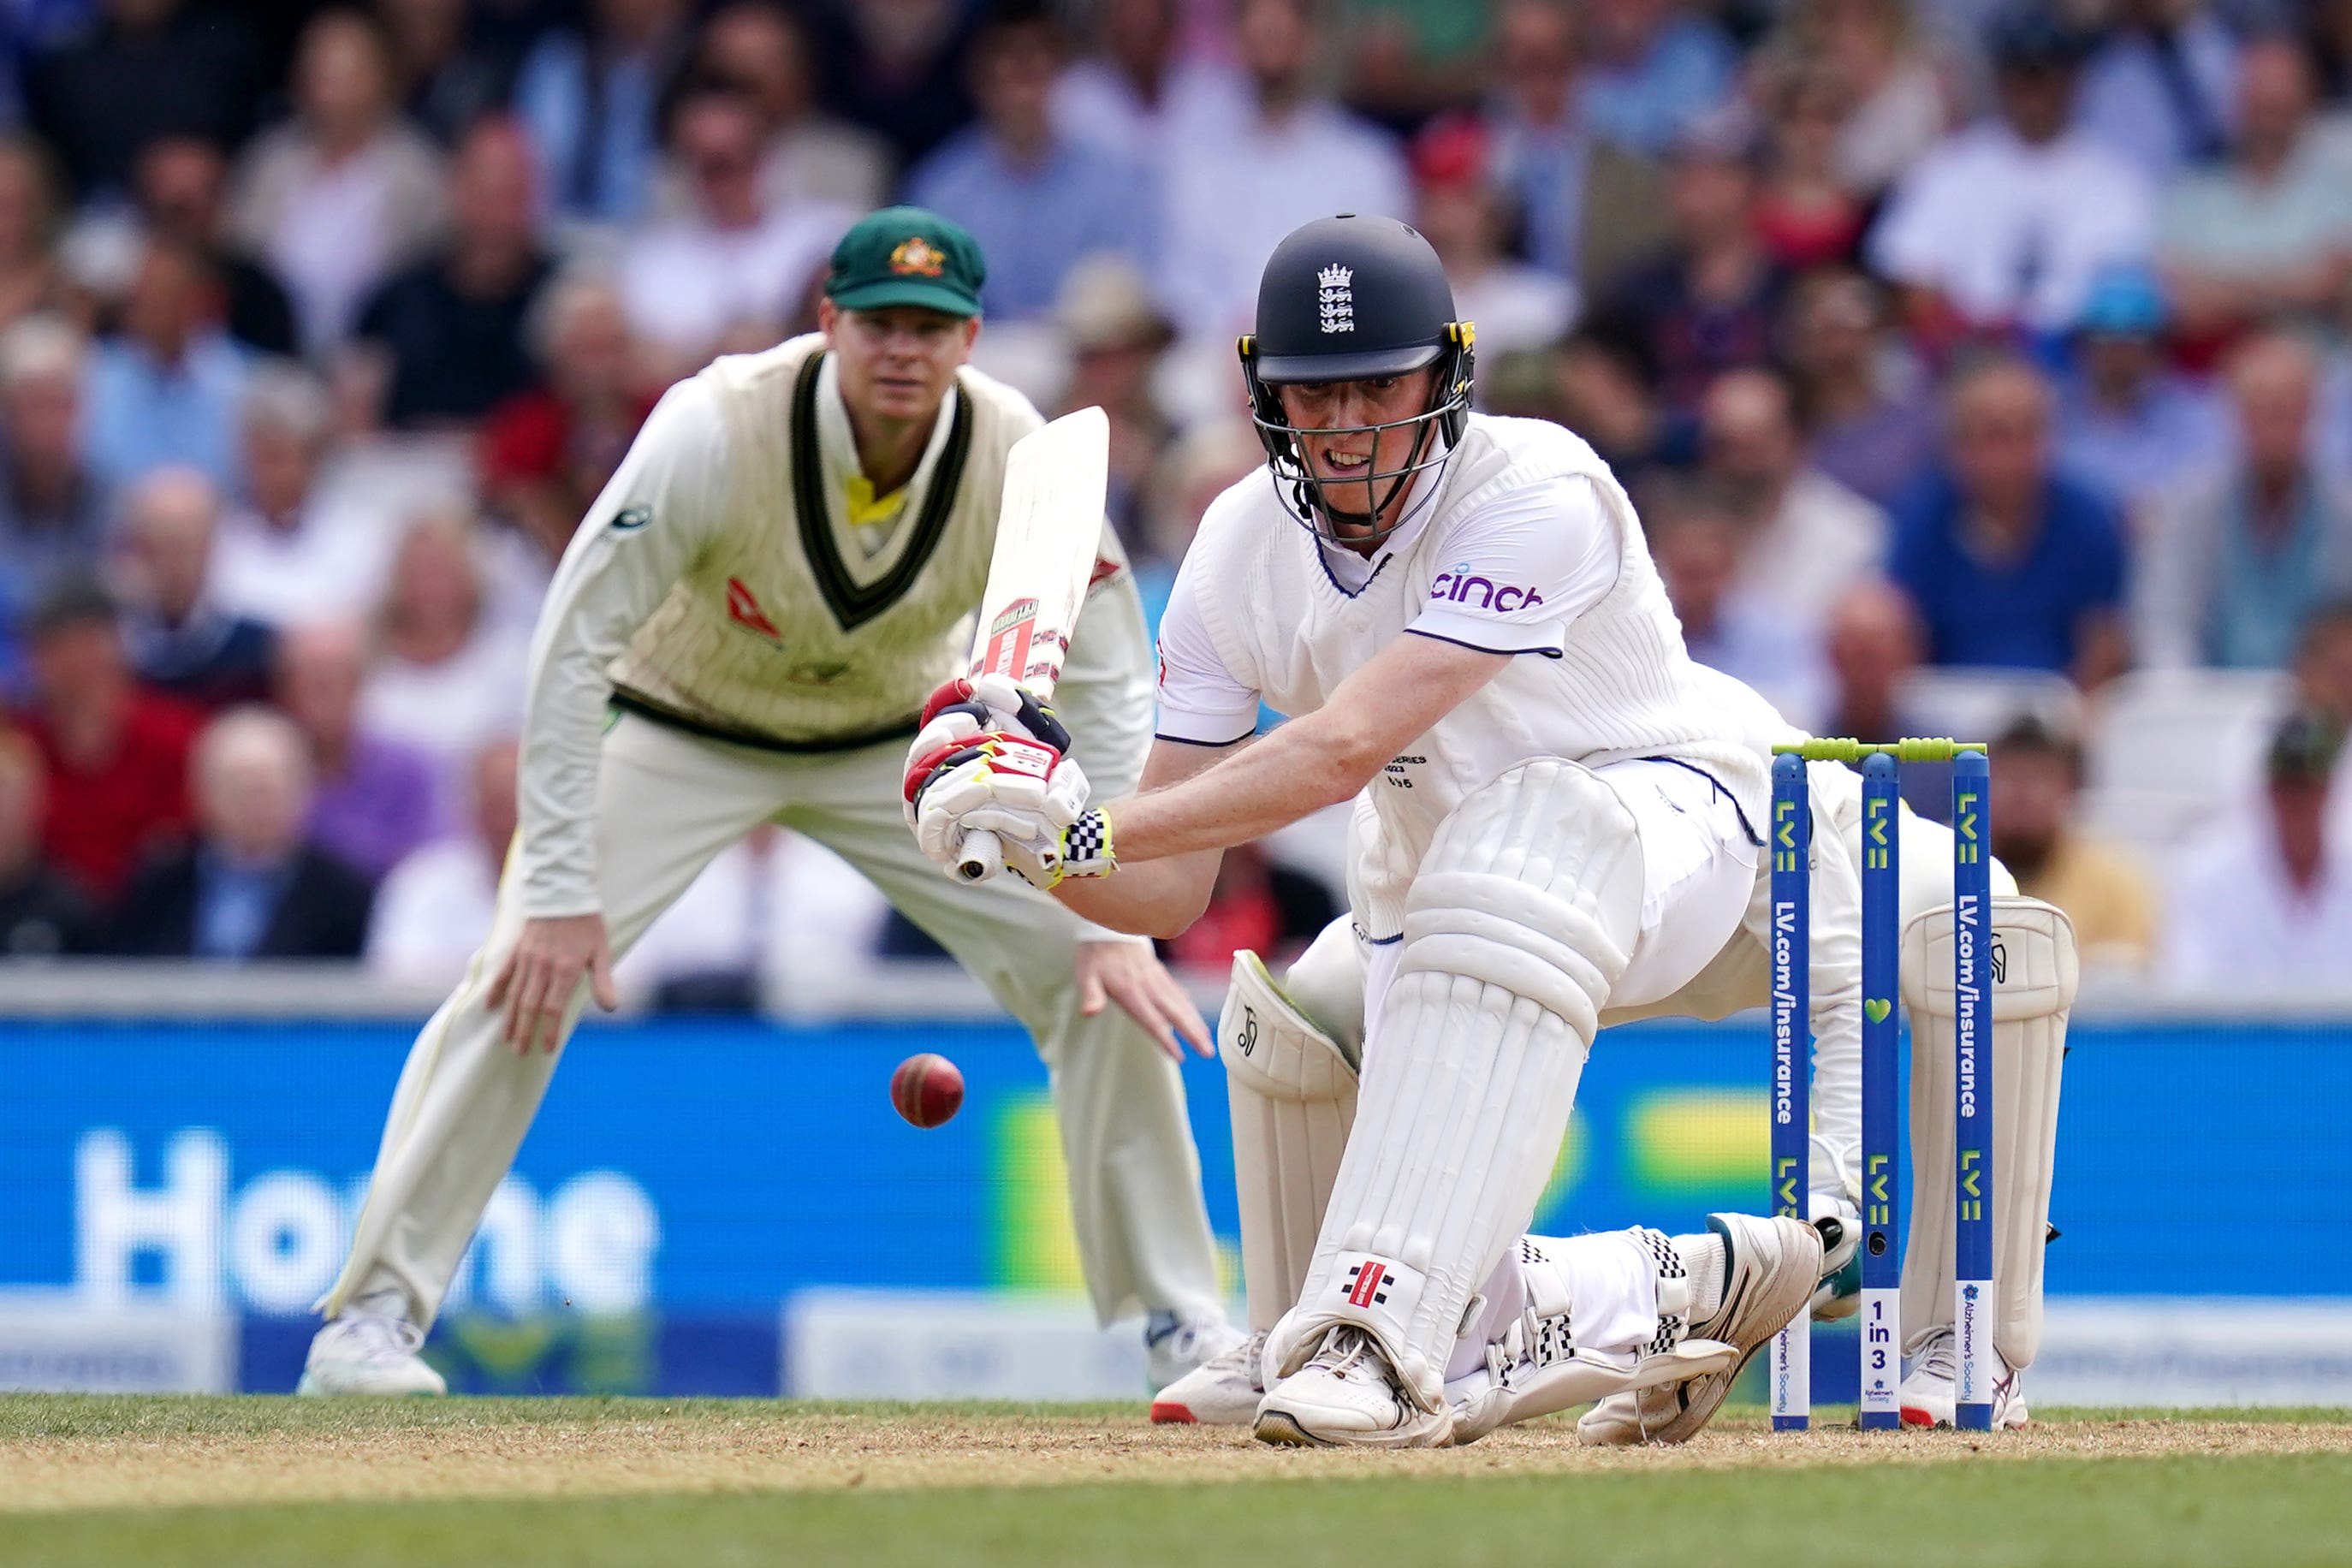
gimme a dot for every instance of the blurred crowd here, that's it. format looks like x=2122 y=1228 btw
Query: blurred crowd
x=1978 y=366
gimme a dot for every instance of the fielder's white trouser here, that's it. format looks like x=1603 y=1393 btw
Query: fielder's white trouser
x=668 y=801
x=1547 y=894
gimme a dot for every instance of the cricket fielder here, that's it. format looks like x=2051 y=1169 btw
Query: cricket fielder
x=1461 y=613
x=743 y=630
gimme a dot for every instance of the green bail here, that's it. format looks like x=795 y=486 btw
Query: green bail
x=1911 y=749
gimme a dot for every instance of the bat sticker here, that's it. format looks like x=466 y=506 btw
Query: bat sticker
x=1008 y=640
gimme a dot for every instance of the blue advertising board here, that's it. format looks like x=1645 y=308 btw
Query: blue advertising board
x=686 y=1177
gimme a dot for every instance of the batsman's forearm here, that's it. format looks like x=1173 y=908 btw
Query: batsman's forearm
x=1168 y=842
x=1317 y=759
x=1295 y=771
x=1156 y=897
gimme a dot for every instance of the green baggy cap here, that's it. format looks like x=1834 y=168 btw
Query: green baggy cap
x=907 y=255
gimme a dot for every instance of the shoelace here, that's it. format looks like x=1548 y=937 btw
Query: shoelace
x=1940 y=1359
x=1248 y=1353
x=1342 y=1352
x=381 y=1335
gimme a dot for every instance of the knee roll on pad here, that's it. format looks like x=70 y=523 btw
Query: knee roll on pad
x=1529 y=941
x=1521 y=918
x=2035 y=975
x=1291 y=1091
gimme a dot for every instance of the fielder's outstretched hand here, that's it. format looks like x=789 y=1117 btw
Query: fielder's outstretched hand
x=1130 y=974
x=534 y=985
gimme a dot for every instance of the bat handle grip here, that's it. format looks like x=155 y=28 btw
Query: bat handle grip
x=978 y=857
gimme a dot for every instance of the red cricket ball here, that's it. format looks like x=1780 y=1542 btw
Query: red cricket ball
x=927 y=1090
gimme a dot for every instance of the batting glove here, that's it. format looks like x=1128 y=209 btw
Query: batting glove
x=1023 y=791
x=968 y=707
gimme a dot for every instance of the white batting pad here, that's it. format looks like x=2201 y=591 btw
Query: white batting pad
x=2034 y=976
x=1292 y=1093
x=1520 y=920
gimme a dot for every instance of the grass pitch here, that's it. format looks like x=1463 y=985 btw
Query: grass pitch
x=264 y=1481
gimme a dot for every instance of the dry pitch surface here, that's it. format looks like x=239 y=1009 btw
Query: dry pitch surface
x=525 y=1481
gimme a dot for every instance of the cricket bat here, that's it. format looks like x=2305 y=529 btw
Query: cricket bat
x=1056 y=481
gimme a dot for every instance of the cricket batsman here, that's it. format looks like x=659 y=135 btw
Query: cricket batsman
x=1462 y=615
x=744 y=630
x=1292 y=1050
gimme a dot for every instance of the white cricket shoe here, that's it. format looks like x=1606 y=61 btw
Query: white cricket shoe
x=1346 y=1394
x=1223 y=1391
x=1929 y=1396
x=368 y=1353
x=1770 y=1267
x=1174 y=1347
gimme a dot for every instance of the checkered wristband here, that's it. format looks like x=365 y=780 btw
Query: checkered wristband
x=1087 y=849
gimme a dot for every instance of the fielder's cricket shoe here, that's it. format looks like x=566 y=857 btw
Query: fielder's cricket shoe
x=1346 y=1394
x=1929 y=1396
x=1769 y=1269
x=368 y=1353
x=1223 y=1391
x=1174 y=1346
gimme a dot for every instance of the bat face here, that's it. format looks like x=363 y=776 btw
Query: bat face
x=1056 y=480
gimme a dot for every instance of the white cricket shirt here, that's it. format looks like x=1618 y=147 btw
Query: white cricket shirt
x=1528 y=547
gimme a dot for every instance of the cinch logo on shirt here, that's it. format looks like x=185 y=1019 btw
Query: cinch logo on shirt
x=1459 y=587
